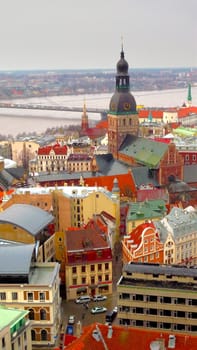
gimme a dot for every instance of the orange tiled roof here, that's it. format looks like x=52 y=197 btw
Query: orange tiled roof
x=125 y=182
x=128 y=338
x=185 y=111
x=144 y=113
x=103 y=124
x=59 y=150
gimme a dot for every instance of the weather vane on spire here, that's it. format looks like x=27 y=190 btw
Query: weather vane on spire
x=122 y=42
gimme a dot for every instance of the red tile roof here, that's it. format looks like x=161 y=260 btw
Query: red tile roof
x=103 y=124
x=144 y=113
x=76 y=240
x=125 y=182
x=128 y=338
x=94 y=133
x=58 y=150
x=185 y=111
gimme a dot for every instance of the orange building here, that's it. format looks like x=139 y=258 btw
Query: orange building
x=143 y=245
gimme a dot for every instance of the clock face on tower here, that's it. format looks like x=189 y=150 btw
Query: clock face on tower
x=127 y=106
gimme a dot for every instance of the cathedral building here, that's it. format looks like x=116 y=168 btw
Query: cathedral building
x=122 y=116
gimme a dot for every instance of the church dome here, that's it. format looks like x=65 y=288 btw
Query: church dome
x=122 y=65
x=122 y=103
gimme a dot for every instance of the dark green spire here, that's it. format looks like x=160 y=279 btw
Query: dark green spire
x=189 y=95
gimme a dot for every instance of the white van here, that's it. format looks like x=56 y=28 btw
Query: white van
x=83 y=299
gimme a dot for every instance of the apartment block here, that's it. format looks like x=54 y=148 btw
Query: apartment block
x=154 y=296
x=33 y=287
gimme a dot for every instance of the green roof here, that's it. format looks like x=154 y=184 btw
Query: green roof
x=146 y=210
x=144 y=151
x=10 y=317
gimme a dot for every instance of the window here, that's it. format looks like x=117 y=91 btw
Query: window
x=14 y=296
x=92 y=268
x=106 y=277
x=74 y=269
x=83 y=268
x=74 y=281
x=43 y=314
x=42 y=296
x=106 y=266
x=83 y=280
x=2 y=296
x=33 y=335
x=3 y=342
x=31 y=314
x=99 y=267
x=43 y=334
x=30 y=296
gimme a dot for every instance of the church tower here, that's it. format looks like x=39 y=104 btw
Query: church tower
x=122 y=116
x=84 y=120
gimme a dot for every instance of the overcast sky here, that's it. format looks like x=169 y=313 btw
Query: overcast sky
x=81 y=34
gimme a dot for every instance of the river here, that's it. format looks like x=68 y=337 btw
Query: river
x=15 y=121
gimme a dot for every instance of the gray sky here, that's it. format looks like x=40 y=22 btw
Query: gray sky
x=77 y=34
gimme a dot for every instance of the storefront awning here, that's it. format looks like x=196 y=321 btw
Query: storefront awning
x=102 y=285
x=81 y=289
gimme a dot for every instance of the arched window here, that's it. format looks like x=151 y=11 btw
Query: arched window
x=33 y=335
x=43 y=314
x=31 y=314
x=43 y=334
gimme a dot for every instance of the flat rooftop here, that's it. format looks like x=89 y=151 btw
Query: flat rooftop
x=43 y=275
x=9 y=316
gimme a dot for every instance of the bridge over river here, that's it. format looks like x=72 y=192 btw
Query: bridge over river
x=9 y=105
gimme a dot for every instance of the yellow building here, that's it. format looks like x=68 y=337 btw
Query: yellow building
x=71 y=205
x=28 y=224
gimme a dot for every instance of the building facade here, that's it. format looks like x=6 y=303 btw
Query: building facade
x=40 y=297
x=88 y=267
x=49 y=159
x=15 y=331
x=142 y=245
x=158 y=297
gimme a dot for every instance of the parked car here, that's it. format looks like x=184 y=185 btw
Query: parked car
x=110 y=316
x=83 y=299
x=99 y=297
x=71 y=319
x=98 y=310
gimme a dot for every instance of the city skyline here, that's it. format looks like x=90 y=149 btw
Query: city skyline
x=87 y=35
